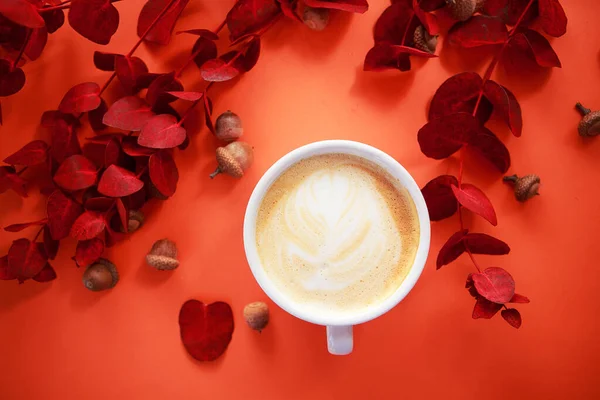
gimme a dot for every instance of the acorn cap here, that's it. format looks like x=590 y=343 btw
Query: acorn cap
x=256 y=315
x=424 y=41
x=163 y=255
x=525 y=187
x=228 y=126
x=590 y=123
x=462 y=10
x=100 y=276
x=234 y=159
x=315 y=18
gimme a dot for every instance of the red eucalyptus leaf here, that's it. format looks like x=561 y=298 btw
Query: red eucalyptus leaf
x=88 y=225
x=96 y=116
x=432 y=5
x=205 y=33
x=206 y=330
x=62 y=212
x=63 y=131
x=470 y=286
x=452 y=249
x=54 y=19
x=133 y=149
x=188 y=96
x=162 y=132
x=218 y=70
x=11 y=79
x=20 y=227
x=88 y=251
x=288 y=8
x=37 y=42
x=442 y=137
x=207 y=113
x=21 y=12
x=251 y=16
x=32 y=153
x=123 y=214
x=161 y=85
x=439 y=197
x=248 y=60
x=535 y=44
x=10 y=180
x=96 y=20
x=519 y=298
x=513 y=317
x=6 y=273
x=506 y=104
x=485 y=308
x=204 y=49
x=129 y=113
x=112 y=237
x=459 y=93
x=473 y=199
x=75 y=173
x=355 y=6
x=81 y=98
x=491 y=148
x=479 y=30
x=163 y=172
x=105 y=61
x=99 y=204
x=428 y=20
x=145 y=80
x=50 y=245
x=387 y=56
x=552 y=17
x=106 y=138
x=480 y=243
x=510 y=11
x=112 y=153
x=392 y=25
x=495 y=284
x=129 y=71
x=47 y=274
x=26 y=259
x=118 y=182
x=161 y=32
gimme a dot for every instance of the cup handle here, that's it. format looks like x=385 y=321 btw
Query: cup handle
x=339 y=340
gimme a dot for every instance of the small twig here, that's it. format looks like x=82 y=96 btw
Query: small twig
x=39 y=232
x=62 y=6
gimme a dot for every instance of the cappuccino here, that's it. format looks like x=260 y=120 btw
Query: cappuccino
x=337 y=232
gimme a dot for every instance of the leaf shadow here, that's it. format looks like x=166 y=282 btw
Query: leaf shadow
x=12 y=293
x=385 y=88
x=151 y=276
x=11 y=203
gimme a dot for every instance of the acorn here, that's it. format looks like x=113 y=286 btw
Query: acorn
x=234 y=159
x=424 y=41
x=228 y=126
x=135 y=222
x=257 y=315
x=462 y=10
x=525 y=187
x=590 y=123
x=315 y=18
x=100 y=276
x=163 y=255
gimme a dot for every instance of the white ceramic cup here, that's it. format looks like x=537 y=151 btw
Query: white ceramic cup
x=339 y=328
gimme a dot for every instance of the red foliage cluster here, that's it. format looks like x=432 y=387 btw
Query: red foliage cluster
x=458 y=113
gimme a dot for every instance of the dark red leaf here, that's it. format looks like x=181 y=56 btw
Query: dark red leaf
x=473 y=199
x=129 y=113
x=247 y=61
x=387 y=56
x=491 y=148
x=81 y=98
x=188 y=96
x=250 y=16
x=161 y=32
x=439 y=197
x=96 y=116
x=391 y=26
x=11 y=79
x=452 y=249
x=130 y=71
x=218 y=70
x=145 y=80
x=158 y=88
x=62 y=212
x=355 y=6
x=204 y=49
x=112 y=153
x=112 y=237
x=485 y=308
x=21 y=12
x=37 y=42
x=519 y=298
x=96 y=20
x=50 y=245
x=432 y=5
x=458 y=93
x=10 y=180
x=537 y=46
x=105 y=61
x=206 y=330
x=20 y=227
x=88 y=225
x=506 y=104
x=288 y=8
x=133 y=149
x=480 y=243
x=106 y=138
x=26 y=259
x=442 y=137
x=62 y=129
x=205 y=33
x=6 y=273
x=495 y=284
x=552 y=17
x=512 y=316
x=479 y=30
x=32 y=153
x=47 y=274
x=118 y=182
x=470 y=286
x=123 y=213
x=207 y=113
x=88 y=251
x=100 y=204
x=510 y=11
x=75 y=173
x=428 y=20
x=54 y=19
x=162 y=132
x=163 y=172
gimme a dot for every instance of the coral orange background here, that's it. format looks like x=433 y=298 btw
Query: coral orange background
x=60 y=341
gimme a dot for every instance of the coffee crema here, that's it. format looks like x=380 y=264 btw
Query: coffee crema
x=337 y=232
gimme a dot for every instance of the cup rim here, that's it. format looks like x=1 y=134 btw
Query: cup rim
x=331 y=147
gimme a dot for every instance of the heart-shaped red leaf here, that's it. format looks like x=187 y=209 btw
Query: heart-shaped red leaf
x=506 y=104
x=248 y=60
x=512 y=316
x=88 y=225
x=130 y=71
x=393 y=24
x=32 y=153
x=62 y=212
x=21 y=12
x=519 y=298
x=495 y=284
x=188 y=96
x=105 y=61
x=162 y=132
x=50 y=245
x=88 y=251
x=10 y=180
x=20 y=227
x=129 y=113
x=439 y=197
x=26 y=259
x=162 y=84
x=96 y=116
x=75 y=173
x=206 y=330
x=96 y=20
x=485 y=308
x=161 y=32
x=100 y=204
x=11 y=79
x=386 y=56
x=112 y=153
x=355 y=6
x=552 y=17
x=442 y=137
x=163 y=172
x=81 y=98
x=204 y=49
x=479 y=30
x=47 y=274
x=54 y=19
x=536 y=45
x=452 y=249
x=36 y=43
x=480 y=243
x=428 y=20
x=118 y=182
x=133 y=149
x=250 y=16
x=63 y=132
x=218 y=70
x=205 y=33
x=6 y=273
x=473 y=199
x=491 y=148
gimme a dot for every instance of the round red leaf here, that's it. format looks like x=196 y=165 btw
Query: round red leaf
x=62 y=212
x=473 y=199
x=88 y=251
x=439 y=197
x=47 y=274
x=513 y=317
x=495 y=284
x=162 y=132
x=11 y=79
x=76 y=172
x=21 y=12
x=26 y=258
x=96 y=20
x=118 y=182
x=163 y=172
x=88 y=225
x=129 y=113
x=32 y=153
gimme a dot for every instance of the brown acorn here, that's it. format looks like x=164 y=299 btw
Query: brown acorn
x=525 y=187
x=315 y=18
x=163 y=255
x=462 y=10
x=135 y=222
x=234 y=159
x=590 y=123
x=228 y=126
x=100 y=276
x=424 y=41
x=256 y=315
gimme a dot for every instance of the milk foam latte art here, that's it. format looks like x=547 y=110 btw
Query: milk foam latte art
x=337 y=232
